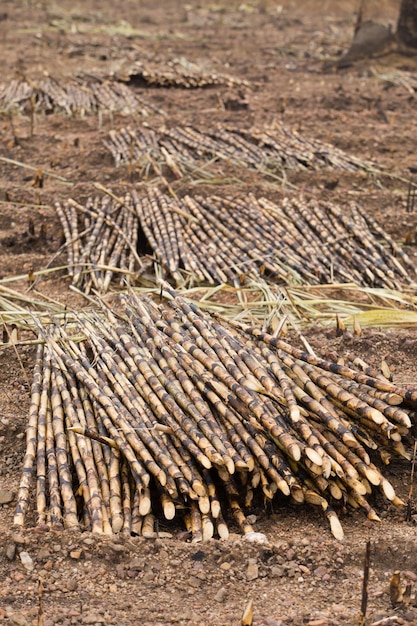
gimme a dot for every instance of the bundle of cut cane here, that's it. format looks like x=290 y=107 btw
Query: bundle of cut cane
x=101 y=241
x=266 y=150
x=166 y=412
x=229 y=240
x=72 y=96
x=178 y=73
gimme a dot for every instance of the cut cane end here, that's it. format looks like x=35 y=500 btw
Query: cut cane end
x=117 y=525
x=230 y=466
x=204 y=504
x=335 y=491
x=314 y=498
x=144 y=506
x=199 y=488
x=406 y=421
x=349 y=439
x=241 y=466
x=223 y=531
x=208 y=530
x=358 y=487
x=336 y=527
x=294 y=451
x=295 y=413
x=297 y=494
x=314 y=456
x=169 y=510
x=388 y=489
x=267 y=492
x=395 y=399
x=373 y=476
x=205 y=462
x=283 y=487
x=376 y=416
x=215 y=509
x=394 y=435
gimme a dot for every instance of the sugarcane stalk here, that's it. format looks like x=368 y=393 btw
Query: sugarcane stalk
x=22 y=502
x=55 y=501
x=41 y=496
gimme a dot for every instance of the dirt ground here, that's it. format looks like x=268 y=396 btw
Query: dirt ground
x=286 y=51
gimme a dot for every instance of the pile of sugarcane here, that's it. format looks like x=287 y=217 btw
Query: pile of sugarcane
x=228 y=240
x=268 y=149
x=178 y=73
x=101 y=239
x=162 y=411
x=73 y=96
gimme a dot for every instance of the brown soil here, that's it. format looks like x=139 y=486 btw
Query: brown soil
x=287 y=51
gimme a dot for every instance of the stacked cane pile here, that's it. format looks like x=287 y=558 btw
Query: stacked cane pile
x=101 y=240
x=81 y=96
x=228 y=240
x=165 y=412
x=176 y=73
x=263 y=149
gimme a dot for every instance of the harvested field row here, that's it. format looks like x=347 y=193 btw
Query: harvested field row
x=266 y=150
x=167 y=412
x=93 y=93
x=219 y=240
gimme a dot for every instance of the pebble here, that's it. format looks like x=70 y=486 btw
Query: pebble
x=19 y=619
x=88 y=541
x=92 y=618
x=137 y=564
x=277 y=572
x=254 y=537
x=6 y=496
x=116 y=547
x=27 y=561
x=252 y=571
x=10 y=551
x=221 y=595
x=76 y=554
x=411 y=616
x=320 y=571
x=148 y=577
x=194 y=582
x=72 y=585
x=43 y=554
x=19 y=539
x=225 y=566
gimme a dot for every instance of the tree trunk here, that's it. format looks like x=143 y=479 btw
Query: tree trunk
x=407 y=23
